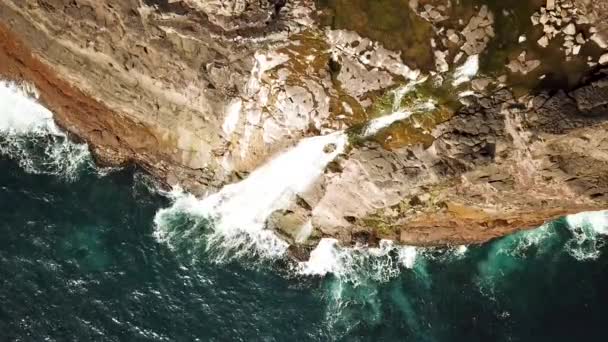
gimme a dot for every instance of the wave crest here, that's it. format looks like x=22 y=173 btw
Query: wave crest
x=358 y=264
x=586 y=229
x=187 y=226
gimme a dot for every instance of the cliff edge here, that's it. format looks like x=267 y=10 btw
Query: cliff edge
x=201 y=93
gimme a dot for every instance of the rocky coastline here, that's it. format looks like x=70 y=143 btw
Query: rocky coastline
x=201 y=93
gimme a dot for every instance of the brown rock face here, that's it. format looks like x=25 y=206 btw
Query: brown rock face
x=498 y=166
x=140 y=81
x=199 y=93
x=112 y=135
x=93 y=72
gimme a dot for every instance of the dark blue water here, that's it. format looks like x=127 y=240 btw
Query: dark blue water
x=79 y=262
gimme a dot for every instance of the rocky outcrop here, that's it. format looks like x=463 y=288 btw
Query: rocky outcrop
x=162 y=72
x=499 y=165
x=200 y=93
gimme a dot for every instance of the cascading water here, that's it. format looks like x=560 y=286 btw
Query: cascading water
x=354 y=264
x=238 y=213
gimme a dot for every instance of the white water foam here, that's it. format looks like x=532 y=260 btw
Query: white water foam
x=467 y=71
x=582 y=239
x=358 y=264
x=239 y=211
x=597 y=220
x=22 y=114
x=585 y=227
x=374 y=126
x=29 y=135
x=236 y=215
x=583 y=243
x=398 y=113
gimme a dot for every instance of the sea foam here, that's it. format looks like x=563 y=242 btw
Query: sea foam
x=588 y=234
x=21 y=114
x=360 y=263
x=29 y=135
x=580 y=236
x=234 y=219
x=237 y=214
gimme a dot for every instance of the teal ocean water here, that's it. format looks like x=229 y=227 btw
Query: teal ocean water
x=81 y=260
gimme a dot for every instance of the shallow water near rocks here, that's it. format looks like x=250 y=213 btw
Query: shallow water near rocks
x=79 y=261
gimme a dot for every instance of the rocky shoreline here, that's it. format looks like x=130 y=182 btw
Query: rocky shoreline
x=201 y=93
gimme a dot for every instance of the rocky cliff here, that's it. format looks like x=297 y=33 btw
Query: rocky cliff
x=200 y=93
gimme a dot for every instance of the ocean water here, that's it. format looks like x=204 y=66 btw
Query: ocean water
x=81 y=259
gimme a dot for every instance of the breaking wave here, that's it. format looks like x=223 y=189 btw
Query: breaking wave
x=588 y=234
x=29 y=135
x=233 y=220
x=580 y=237
x=358 y=264
x=187 y=226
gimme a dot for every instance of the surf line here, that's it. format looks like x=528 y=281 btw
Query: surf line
x=239 y=211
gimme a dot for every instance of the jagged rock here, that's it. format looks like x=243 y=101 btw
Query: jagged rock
x=200 y=93
x=599 y=40
x=484 y=144
x=570 y=29
x=453 y=36
x=543 y=41
x=480 y=84
x=523 y=66
x=440 y=61
x=478 y=32
x=291 y=224
x=561 y=22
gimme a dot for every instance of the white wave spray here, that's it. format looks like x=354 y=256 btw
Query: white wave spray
x=586 y=229
x=360 y=263
x=580 y=236
x=235 y=217
x=29 y=135
x=239 y=211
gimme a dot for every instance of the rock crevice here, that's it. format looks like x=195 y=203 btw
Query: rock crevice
x=200 y=93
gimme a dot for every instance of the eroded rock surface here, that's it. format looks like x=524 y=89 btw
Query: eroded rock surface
x=200 y=93
x=497 y=166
